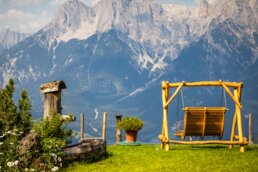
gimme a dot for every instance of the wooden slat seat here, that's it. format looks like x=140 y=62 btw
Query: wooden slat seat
x=203 y=121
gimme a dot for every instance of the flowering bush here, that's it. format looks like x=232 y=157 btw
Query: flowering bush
x=8 y=157
x=54 y=137
x=15 y=127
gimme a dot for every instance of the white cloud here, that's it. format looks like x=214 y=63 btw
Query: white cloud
x=23 y=21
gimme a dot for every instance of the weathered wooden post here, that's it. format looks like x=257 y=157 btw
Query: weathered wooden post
x=118 y=131
x=52 y=97
x=104 y=126
x=250 y=141
x=82 y=126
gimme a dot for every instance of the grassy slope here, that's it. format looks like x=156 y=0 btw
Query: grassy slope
x=179 y=158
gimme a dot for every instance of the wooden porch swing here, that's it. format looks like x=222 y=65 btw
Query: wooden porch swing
x=204 y=121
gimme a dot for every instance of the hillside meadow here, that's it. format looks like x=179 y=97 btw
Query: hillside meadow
x=149 y=157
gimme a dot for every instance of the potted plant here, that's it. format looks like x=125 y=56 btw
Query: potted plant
x=131 y=125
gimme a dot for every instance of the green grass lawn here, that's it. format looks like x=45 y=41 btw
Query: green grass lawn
x=179 y=158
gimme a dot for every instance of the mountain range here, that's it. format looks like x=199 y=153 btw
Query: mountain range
x=113 y=57
x=8 y=38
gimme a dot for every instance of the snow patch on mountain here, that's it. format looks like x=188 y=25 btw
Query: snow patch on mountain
x=86 y=30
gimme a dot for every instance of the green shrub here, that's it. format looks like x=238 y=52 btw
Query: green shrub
x=130 y=123
x=8 y=144
x=54 y=136
x=15 y=123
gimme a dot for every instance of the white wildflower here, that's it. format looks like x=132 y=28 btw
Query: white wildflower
x=53 y=155
x=61 y=165
x=14 y=134
x=10 y=164
x=59 y=159
x=55 y=168
x=26 y=169
x=1 y=143
x=9 y=132
x=11 y=143
x=1 y=153
x=16 y=162
x=32 y=169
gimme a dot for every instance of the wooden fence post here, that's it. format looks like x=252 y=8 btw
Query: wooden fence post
x=82 y=126
x=250 y=129
x=104 y=125
x=118 y=131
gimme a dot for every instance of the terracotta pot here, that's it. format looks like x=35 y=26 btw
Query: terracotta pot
x=131 y=136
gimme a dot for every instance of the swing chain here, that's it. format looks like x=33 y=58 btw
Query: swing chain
x=223 y=95
x=177 y=110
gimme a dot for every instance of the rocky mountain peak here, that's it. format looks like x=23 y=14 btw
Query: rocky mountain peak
x=9 y=37
x=204 y=8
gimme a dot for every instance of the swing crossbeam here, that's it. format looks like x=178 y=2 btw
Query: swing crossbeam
x=204 y=121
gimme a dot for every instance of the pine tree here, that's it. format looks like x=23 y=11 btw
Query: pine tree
x=7 y=107
x=24 y=119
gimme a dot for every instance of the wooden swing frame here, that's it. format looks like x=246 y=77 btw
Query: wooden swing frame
x=237 y=120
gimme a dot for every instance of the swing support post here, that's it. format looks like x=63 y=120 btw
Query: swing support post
x=165 y=135
x=208 y=123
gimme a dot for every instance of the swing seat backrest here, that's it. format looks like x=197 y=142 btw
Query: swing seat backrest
x=204 y=121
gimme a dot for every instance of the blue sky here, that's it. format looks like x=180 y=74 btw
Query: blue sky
x=31 y=15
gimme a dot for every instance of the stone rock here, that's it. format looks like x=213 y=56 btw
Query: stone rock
x=29 y=149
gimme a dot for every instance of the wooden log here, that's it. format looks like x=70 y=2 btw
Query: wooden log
x=165 y=94
x=87 y=150
x=52 y=103
x=239 y=120
x=208 y=142
x=250 y=141
x=82 y=126
x=233 y=130
x=174 y=95
x=206 y=83
x=118 y=130
x=104 y=126
x=234 y=98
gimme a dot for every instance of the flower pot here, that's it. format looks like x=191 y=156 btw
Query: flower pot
x=131 y=136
